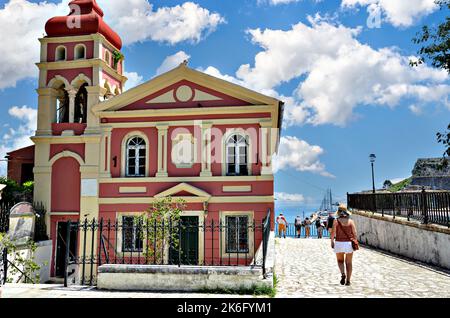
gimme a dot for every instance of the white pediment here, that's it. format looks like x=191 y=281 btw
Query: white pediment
x=183 y=187
x=183 y=93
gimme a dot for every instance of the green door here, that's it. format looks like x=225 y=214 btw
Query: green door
x=187 y=251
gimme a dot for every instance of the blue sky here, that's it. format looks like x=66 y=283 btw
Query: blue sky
x=341 y=106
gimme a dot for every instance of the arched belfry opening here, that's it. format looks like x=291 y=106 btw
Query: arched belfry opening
x=62 y=105
x=80 y=115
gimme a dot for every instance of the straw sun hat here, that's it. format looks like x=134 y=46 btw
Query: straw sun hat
x=342 y=209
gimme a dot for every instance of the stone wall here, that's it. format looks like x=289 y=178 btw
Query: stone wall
x=174 y=278
x=430 y=173
x=188 y=278
x=426 y=243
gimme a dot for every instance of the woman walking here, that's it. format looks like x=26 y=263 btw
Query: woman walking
x=344 y=242
x=307 y=225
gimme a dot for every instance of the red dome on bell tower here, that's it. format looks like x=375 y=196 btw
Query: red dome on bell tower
x=85 y=18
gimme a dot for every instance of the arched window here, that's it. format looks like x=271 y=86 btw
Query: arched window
x=62 y=105
x=237 y=155
x=60 y=53
x=80 y=115
x=107 y=58
x=80 y=52
x=135 y=157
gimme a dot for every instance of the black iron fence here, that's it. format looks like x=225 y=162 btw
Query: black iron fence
x=3 y=265
x=231 y=241
x=426 y=207
x=5 y=207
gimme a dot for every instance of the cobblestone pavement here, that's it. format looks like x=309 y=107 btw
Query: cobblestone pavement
x=59 y=291
x=308 y=268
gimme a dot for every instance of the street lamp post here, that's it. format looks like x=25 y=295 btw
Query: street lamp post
x=372 y=158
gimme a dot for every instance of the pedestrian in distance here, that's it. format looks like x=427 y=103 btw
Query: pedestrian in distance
x=344 y=242
x=319 y=226
x=282 y=225
x=298 y=225
x=330 y=222
x=307 y=225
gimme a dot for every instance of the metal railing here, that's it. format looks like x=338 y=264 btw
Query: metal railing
x=3 y=265
x=265 y=242
x=210 y=243
x=291 y=231
x=426 y=207
x=5 y=208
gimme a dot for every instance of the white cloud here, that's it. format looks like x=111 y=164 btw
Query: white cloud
x=18 y=137
x=134 y=79
x=172 y=61
x=400 y=13
x=338 y=73
x=290 y=197
x=277 y=2
x=137 y=21
x=22 y=24
x=134 y=20
x=299 y=155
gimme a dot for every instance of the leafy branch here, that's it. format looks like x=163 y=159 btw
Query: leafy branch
x=159 y=227
x=435 y=41
x=117 y=57
x=21 y=264
x=444 y=138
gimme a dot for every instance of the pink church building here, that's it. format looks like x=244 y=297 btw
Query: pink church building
x=101 y=152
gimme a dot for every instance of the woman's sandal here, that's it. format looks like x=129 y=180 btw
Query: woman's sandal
x=343 y=279
x=347 y=283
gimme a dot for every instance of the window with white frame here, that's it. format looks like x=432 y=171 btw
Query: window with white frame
x=135 y=157
x=132 y=240
x=236 y=234
x=237 y=155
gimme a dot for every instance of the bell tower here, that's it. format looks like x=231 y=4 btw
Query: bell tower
x=80 y=66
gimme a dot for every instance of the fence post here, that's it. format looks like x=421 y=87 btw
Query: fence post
x=5 y=265
x=179 y=243
x=424 y=206
x=66 y=258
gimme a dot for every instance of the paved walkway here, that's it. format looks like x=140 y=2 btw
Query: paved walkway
x=304 y=268
x=59 y=291
x=307 y=268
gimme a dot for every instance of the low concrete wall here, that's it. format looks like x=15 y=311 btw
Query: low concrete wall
x=174 y=278
x=41 y=256
x=189 y=278
x=426 y=243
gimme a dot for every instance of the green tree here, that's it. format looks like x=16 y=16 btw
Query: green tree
x=387 y=184
x=444 y=138
x=435 y=42
x=22 y=266
x=435 y=47
x=159 y=228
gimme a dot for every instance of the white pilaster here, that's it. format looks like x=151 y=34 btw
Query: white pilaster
x=206 y=150
x=266 y=148
x=162 y=151
x=72 y=94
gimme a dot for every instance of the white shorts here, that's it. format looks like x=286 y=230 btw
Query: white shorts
x=343 y=247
